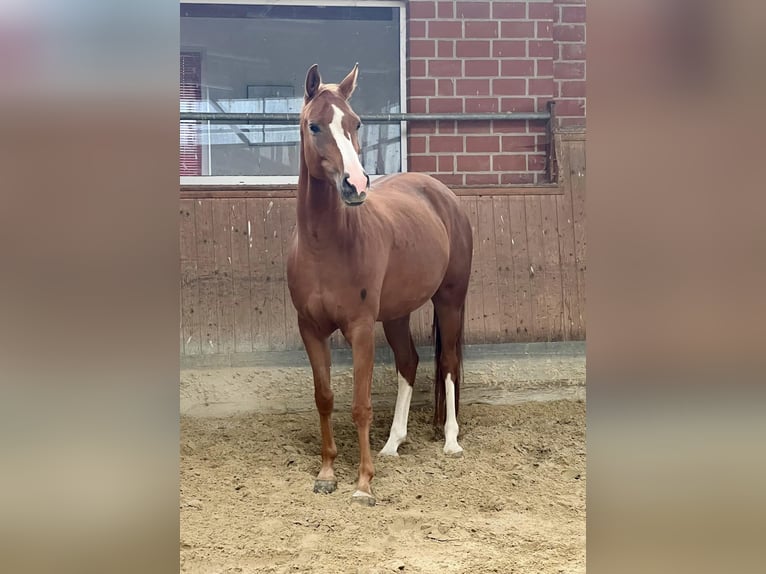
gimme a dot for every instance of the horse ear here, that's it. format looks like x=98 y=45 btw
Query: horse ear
x=313 y=80
x=348 y=85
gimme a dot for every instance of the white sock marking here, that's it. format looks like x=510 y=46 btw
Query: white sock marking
x=401 y=413
x=451 y=428
x=351 y=163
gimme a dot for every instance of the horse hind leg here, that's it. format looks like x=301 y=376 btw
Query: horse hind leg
x=448 y=342
x=406 y=357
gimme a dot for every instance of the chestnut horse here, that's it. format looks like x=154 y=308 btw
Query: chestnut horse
x=363 y=254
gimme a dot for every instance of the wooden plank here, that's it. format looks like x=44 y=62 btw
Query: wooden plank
x=223 y=273
x=208 y=283
x=474 y=320
x=536 y=267
x=577 y=171
x=490 y=295
x=568 y=263
x=189 y=296
x=259 y=290
x=289 y=191
x=240 y=269
x=289 y=223
x=275 y=273
x=553 y=296
x=506 y=290
x=520 y=256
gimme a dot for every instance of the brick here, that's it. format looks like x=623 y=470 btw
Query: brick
x=421 y=87
x=446 y=49
x=417 y=28
x=573 y=14
x=446 y=127
x=425 y=128
x=517 y=105
x=445 y=105
x=509 y=10
x=481 y=29
x=544 y=67
x=450 y=178
x=516 y=178
x=517 y=30
x=509 y=127
x=569 y=70
x=520 y=143
x=472 y=87
x=481 y=179
x=480 y=68
x=416 y=144
x=509 y=48
x=420 y=9
x=524 y=68
x=474 y=144
x=572 y=51
x=438 y=144
x=509 y=162
x=442 y=68
x=417 y=68
x=445 y=29
x=445 y=9
x=423 y=163
x=541 y=48
x=472 y=48
x=473 y=163
x=509 y=87
x=569 y=32
x=446 y=163
x=422 y=49
x=472 y=9
x=480 y=105
x=544 y=29
x=446 y=87
x=570 y=107
x=417 y=105
x=572 y=89
x=541 y=11
x=540 y=87
x=535 y=162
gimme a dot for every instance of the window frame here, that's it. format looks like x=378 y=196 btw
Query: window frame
x=290 y=180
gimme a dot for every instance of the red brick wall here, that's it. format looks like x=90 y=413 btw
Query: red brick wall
x=491 y=56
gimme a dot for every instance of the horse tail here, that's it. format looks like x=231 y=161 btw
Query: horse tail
x=440 y=376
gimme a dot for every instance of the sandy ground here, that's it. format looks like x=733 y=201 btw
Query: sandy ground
x=515 y=502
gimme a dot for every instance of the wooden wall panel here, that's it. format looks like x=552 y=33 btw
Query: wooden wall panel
x=223 y=274
x=234 y=295
x=190 y=338
x=240 y=269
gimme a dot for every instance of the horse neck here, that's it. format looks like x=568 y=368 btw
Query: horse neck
x=319 y=210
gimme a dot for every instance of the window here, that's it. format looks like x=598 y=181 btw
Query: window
x=252 y=57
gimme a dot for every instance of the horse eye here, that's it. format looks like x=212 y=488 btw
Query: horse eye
x=314 y=128
x=359 y=125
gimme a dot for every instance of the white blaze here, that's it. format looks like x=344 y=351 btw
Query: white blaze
x=351 y=164
x=401 y=413
x=450 y=426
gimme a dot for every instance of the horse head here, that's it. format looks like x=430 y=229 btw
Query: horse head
x=330 y=136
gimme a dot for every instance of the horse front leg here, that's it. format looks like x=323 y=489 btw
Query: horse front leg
x=318 y=349
x=362 y=340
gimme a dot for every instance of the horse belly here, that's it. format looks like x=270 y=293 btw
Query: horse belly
x=412 y=277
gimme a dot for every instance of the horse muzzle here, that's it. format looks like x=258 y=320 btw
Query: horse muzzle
x=349 y=193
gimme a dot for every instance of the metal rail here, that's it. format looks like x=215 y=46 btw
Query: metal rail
x=285 y=119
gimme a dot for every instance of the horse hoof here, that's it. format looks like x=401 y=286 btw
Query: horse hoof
x=391 y=453
x=453 y=452
x=325 y=486
x=363 y=498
